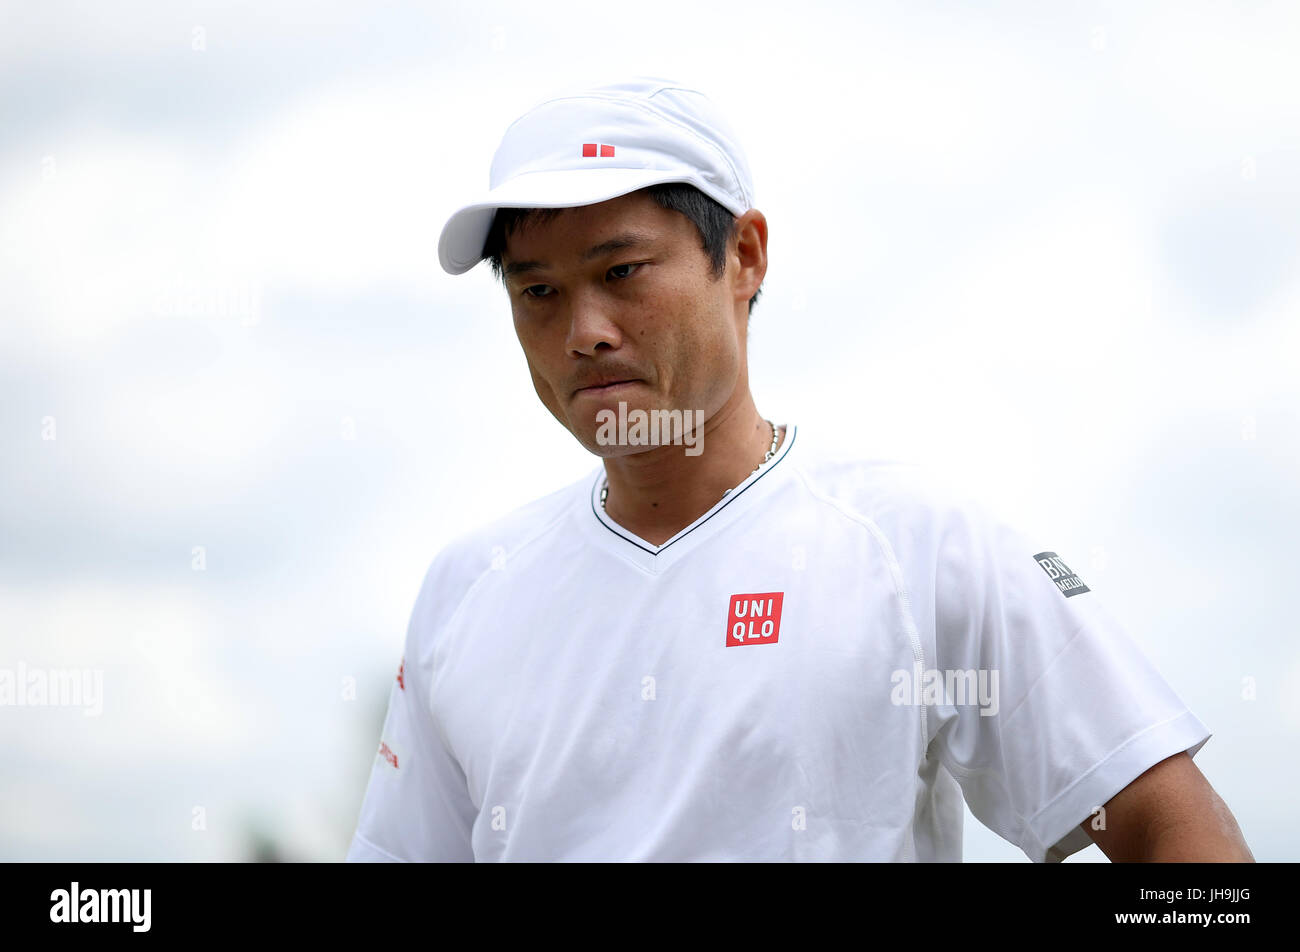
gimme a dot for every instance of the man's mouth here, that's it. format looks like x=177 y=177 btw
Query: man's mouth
x=603 y=388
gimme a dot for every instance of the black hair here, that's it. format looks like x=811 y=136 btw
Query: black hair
x=714 y=223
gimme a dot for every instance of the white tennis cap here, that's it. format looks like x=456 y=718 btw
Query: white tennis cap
x=592 y=144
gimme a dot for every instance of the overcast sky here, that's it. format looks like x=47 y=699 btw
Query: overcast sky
x=1049 y=250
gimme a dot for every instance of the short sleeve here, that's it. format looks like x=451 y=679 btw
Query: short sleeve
x=417 y=806
x=1059 y=709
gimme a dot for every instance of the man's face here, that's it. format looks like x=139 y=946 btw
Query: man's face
x=649 y=313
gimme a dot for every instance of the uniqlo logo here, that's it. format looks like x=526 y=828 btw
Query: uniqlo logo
x=401 y=675
x=387 y=753
x=754 y=619
x=589 y=150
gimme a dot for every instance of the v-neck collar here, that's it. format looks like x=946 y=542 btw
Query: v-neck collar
x=608 y=534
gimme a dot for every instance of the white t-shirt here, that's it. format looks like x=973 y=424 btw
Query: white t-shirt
x=819 y=668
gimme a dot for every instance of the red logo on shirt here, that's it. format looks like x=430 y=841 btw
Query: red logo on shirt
x=589 y=149
x=401 y=669
x=387 y=753
x=754 y=619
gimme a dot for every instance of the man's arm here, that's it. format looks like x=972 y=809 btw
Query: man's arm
x=1170 y=814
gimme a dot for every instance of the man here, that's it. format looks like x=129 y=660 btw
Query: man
x=720 y=646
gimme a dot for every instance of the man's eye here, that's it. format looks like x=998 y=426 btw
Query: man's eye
x=533 y=289
x=617 y=266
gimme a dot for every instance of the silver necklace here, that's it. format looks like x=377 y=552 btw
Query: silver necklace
x=604 y=490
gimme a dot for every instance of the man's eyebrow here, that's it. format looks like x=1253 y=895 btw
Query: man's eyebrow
x=629 y=239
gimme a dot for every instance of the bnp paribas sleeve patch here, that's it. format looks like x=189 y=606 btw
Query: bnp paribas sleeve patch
x=1069 y=583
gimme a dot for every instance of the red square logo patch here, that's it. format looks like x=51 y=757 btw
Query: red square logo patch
x=589 y=149
x=754 y=619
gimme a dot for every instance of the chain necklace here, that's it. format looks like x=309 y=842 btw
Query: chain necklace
x=604 y=491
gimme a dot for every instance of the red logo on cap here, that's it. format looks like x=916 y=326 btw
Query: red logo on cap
x=589 y=149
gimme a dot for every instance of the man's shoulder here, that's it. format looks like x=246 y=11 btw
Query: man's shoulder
x=471 y=553
x=894 y=494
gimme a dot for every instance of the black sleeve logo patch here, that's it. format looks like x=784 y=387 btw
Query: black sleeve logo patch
x=1059 y=572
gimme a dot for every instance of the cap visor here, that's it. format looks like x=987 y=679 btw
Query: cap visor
x=460 y=246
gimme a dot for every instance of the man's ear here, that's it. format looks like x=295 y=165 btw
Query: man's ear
x=749 y=237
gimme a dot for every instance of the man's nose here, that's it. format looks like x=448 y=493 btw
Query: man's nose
x=591 y=324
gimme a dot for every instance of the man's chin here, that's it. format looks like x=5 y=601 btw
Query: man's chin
x=608 y=450
x=631 y=431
